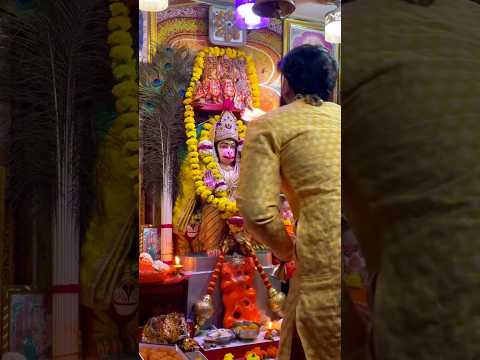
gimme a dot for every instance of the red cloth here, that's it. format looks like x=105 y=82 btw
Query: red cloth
x=228 y=105
x=290 y=268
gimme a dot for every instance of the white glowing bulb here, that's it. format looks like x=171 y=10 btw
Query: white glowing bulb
x=333 y=26
x=333 y=32
x=177 y=260
x=247 y=13
x=152 y=5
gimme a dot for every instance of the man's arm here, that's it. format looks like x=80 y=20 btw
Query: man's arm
x=259 y=190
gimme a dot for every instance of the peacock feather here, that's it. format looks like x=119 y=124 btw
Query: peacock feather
x=162 y=85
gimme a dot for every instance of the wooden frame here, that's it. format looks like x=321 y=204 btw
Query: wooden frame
x=151 y=228
x=308 y=26
x=9 y=294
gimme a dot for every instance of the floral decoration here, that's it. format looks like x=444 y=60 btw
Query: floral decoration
x=200 y=157
x=125 y=73
x=201 y=160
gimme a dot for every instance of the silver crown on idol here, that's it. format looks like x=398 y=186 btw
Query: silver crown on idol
x=226 y=127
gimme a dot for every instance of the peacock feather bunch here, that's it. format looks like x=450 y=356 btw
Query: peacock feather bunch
x=162 y=87
x=56 y=81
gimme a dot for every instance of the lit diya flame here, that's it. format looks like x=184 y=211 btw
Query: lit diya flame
x=270 y=332
x=177 y=264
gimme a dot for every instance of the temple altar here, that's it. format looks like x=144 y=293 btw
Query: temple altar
x=218 y=289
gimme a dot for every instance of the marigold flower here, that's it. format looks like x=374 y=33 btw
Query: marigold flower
x=120 y=37
x=125 y=88
x=125 y=71
x=126 y=104
x=121 y=53
x=189 y=126
x=119 y=9
x=119 y=23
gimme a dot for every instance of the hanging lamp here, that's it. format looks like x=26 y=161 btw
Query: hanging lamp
x=278 y=9
x=152 y=5
x=333 y=25
x=245 y=18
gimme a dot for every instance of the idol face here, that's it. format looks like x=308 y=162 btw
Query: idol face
x=192 y=230
x=226 y=151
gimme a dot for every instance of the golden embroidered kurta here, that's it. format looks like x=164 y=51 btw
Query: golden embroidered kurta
x=296 y=149
x=411 y=155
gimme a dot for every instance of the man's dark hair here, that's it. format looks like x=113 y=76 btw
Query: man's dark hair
x=310 y=70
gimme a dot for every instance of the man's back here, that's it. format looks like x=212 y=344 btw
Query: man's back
x=410 y=150
x=309 y=148
x=301 y=142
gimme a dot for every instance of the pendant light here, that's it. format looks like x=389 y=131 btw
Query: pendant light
x=333 y=25
x=278 y=9
x=245 y=18
x=152 y=5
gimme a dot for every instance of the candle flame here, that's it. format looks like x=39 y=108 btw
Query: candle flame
x=177 y=260
x=269 y=325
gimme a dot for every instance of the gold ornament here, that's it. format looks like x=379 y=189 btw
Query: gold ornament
x=189 y=344
x=276 y=300
x=204 y=310
x=165 y=329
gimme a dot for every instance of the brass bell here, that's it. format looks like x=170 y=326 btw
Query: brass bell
x=274 y=8
x=276 y=300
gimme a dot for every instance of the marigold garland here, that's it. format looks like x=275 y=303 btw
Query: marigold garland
x=124 y=69
x=200 y=162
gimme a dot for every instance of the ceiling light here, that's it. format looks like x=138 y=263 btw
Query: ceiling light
x=152 y=5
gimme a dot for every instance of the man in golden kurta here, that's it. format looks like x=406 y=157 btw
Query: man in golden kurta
x=296 y=150
x=411 y=169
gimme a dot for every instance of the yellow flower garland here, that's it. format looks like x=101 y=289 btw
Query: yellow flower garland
x=124 y=69
x=199 y=163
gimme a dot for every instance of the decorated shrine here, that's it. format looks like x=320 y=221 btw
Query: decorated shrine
x=119 y=229
x=208 y=289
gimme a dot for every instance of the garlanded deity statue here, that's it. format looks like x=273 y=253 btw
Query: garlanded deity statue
x=199 y=226
x=224 y=85
x=225 y=150
x=209 y=181
x=212 y=88
x=243 y=94
x=228 y=79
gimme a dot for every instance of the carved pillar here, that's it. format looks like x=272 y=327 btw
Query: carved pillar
x=166 y=233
